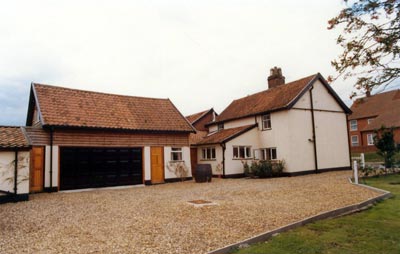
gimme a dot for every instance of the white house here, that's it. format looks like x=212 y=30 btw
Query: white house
x=302 y=122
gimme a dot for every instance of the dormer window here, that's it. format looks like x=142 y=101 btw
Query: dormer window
x=266 y=122
x=220 y=126
x=370 y=120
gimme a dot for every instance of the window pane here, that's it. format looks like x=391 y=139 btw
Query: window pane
x=208 y=153
x=241 y=152
x=248 y=152
x=235 y=152
x=204 y=153
x=273 y=154
x=213 y=153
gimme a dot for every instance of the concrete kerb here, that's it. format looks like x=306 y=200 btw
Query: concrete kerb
x=325 y=215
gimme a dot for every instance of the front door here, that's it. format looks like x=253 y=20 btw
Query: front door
x=193 y=159
x=37 y=169
x=157 y=165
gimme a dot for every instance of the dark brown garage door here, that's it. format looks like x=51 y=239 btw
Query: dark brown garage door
x=99 y=167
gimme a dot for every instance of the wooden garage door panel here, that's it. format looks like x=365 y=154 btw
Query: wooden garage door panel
x=99 y=167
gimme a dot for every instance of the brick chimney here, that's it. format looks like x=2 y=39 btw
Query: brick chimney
x=275 y=78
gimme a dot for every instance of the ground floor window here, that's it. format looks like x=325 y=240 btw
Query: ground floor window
x=208 y=153
x=242 y=152
x=269 y=154
x=354 y=141
x=176 y=154
x=370 y=139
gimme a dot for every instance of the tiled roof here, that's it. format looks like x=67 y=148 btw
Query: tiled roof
x=12 y=137
x=76 y=108
x=384 y=108
x=225 y=135
x=196 y=137
x=194 y=117
x=272 y=99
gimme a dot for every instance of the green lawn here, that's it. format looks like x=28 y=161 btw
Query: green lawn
x=376 y=230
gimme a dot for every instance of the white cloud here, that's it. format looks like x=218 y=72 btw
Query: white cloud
x=200 y=54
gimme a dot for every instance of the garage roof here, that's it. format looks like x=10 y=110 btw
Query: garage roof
x=65 y=107
x=12 y=137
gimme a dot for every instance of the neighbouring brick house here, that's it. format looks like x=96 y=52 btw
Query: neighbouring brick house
x=303 y=122
x=82 y=139
x=370 y=113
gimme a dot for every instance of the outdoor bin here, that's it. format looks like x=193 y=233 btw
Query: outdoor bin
x=203 y=173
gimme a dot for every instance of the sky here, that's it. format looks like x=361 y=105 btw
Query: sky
x=200 y=54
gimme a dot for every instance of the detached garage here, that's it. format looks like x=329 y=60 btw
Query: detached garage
x=82 y=139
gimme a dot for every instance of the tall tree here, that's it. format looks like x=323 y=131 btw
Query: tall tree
x=370 y=42
x=384 y=141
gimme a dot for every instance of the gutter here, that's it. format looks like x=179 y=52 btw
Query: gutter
x=314 y=139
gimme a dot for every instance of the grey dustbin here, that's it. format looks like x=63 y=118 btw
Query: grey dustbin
x=203 y=173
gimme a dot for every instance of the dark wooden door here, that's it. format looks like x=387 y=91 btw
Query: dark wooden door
x=157 y=165
x=36 y=170
x=193 y=159
x=99 y=167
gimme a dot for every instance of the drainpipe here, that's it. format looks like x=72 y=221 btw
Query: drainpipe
x=51 y=159
x=313 y=131
x=223 y=158
x=15 y=171
x=348 y=138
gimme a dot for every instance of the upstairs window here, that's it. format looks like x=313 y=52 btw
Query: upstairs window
x=354 y=141
x=208 y=153
x=242 y=152
x=266 y=121
x=268 y=154
x=176 y=154
x=370 y=139
x=353 y=125
x=220 y=126
x=370 y=120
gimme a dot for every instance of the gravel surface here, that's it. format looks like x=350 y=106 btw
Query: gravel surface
x=158 y=219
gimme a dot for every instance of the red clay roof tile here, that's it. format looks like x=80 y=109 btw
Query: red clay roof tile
x=12 y=137
x=224 y=135
x=76 y=108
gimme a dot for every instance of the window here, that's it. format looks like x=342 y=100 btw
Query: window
x=370 y=120
x=353 y=125
x=266 y=122
x=208 y=153
x=242 y=152
x=354 y=140
x=176 y=154
x=220 y=126
x=370 y=139
x=268 y=154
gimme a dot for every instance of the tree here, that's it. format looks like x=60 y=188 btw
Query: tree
x=370 y=42
x=385 y=143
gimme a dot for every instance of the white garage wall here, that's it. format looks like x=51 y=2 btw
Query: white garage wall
x=55 y=166
x=7 y=167
x=167 y=159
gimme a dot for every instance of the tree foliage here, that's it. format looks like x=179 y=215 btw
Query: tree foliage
x=370 y=42
x=384 y=141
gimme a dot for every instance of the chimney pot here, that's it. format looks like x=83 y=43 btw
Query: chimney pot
x=276 y=78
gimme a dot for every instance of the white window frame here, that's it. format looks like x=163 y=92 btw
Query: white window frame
x=266 y=121
x=370 y=139
x=246 y=152
x=178 y=152
x=269 y=152
x=208 y=153
x=220 y=126
x=369 y=120
x=353 y=125
x=353 y=142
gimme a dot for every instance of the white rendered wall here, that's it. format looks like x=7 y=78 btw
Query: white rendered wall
x=7 y=171
x=214 y=163
x=167 y=158
x=147 y=163
x=55 y=166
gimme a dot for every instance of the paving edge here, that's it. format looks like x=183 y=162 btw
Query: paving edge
x=325 y=215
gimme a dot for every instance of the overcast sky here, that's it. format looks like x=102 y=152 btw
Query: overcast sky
x=200 y=54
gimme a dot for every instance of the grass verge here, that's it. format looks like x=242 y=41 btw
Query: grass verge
x=376 y=230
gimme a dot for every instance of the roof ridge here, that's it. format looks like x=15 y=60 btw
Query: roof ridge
x=95 y=92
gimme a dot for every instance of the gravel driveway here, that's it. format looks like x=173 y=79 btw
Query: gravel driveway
x=158 y=219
